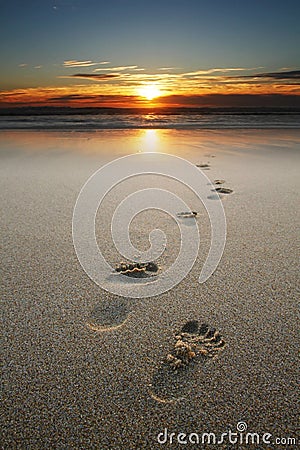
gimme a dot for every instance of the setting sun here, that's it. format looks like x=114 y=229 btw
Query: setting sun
x=150 y=91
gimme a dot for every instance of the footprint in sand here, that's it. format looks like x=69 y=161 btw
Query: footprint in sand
x=219 y=181
x=220 y=190
x=187 y=214
x=109 y=315
x=205 y=166
x=112 y=314
x=224 y=190
x=194 y=345
x=138 y=270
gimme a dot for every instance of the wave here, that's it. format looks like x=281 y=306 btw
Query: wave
x=187 y=120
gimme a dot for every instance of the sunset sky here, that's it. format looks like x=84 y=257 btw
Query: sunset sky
x=129 y=53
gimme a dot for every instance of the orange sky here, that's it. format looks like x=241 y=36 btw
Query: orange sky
x=130 y=86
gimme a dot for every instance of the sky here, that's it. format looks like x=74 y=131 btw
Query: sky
x=162 y=53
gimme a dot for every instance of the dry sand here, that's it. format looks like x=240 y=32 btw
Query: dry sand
x=82 y=367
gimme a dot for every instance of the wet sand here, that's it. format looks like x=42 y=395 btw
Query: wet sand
x=84 y=368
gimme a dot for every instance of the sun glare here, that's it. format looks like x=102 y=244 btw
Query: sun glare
x=149 y=91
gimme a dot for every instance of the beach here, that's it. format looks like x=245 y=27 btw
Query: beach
x=82 y=366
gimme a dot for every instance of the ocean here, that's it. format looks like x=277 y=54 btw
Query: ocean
x=183 y=120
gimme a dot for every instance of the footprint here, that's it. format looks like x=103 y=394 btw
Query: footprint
x=219 y=181
x=203 y=166
x=109 y=315
x=137 y=270
x=194 y=345
x=187 y=214
x=224 y=190
x=213 y=197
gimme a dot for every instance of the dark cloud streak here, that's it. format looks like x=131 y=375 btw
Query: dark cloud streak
x=71 y=97
x=98 y=77
x=233 y=101
x=290 y=75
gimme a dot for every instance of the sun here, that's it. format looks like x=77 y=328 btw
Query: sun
x=149 y=91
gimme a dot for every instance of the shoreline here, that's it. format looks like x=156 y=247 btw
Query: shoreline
x=153 y=120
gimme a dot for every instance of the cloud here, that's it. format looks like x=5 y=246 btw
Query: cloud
x=91 y=76
x=289 y=75
x=71 y=97
x=233 y=100
x=219 y=79
x=169 y=68
x=223 y=87
x=98 y=95
x=219 y=70
x=116 y=69
x=184 y=83
x=75 y=63
x=95 y=100
x=12 y=94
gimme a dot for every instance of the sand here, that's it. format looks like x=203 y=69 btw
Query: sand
x=83 y=367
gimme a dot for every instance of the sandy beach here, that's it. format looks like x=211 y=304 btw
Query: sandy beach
x=83 y=368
